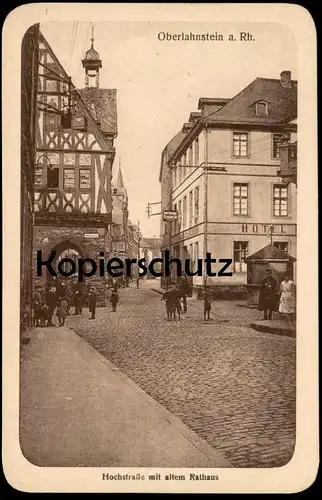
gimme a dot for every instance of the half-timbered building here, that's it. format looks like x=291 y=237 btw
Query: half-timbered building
x=75 y=132
x=29 y=65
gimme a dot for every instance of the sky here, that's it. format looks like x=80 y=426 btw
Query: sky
x=159 y=84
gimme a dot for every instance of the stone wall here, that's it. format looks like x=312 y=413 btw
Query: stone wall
x=47 y=238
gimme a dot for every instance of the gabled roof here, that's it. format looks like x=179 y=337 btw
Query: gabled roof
x=93 y=114
x=150 y=243
x=194 y=115
x=102 y=106
x=171 y=147
x=282 y=103
x=270 y=252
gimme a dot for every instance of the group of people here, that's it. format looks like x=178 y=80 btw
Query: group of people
x=60 y=297
x=175 y=298
x=277 y=298
x=111 y=293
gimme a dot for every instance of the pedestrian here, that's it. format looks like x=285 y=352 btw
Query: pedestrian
x=176 y=302
x=62 y=311
x=287 y=303
x=107 y=295
x=92 y=302
x=114 y=298
x=268 y=295
x=138 y=282
x=37 y=301
x=43 y=314
x=169 y=297
x=207 y=304
x=51 y=301
x=184 y=288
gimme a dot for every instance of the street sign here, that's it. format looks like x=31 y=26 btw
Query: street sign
x=169 y=215
x=92 y=235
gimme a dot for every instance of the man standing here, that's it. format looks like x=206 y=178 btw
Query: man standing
x=92 y=302
x=184 y=290
x=268 y=295
x=51 y=301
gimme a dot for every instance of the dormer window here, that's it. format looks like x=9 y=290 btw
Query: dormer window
x=261 y=108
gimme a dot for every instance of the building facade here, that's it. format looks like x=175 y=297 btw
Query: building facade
x=225 y=184
x=120 y=215
x=29 y=69
x=75 y=132
x=151 y=249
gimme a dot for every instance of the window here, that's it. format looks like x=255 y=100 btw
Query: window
x=196 y=205
x=52 y=121
x=179 y=215
x=261 y=108
x=69 y=178
x=84 y=178
x=196 y=256
x=174 y=177
x=191 y=252
x=276 y=140
x=190 y=208
x=197 y=151
x=281 y=245
x=184 y=212
x=183 y=168
x=190 y=155
x=280 y=208
x=38 y=176
x=53 y=178
x=180 y=175
x=240 y=199
x=240 y=144
x=240 y=254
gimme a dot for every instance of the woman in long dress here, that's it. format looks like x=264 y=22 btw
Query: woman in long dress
x=287 y=303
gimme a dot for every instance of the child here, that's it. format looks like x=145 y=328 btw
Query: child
x=114 y=298
x=62 y=311
x=207 y=305
x=170 y=298
x=44 y=316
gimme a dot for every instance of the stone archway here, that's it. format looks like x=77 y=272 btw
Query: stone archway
x=63 y=248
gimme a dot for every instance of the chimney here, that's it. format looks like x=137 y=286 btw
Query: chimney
x=286 y=79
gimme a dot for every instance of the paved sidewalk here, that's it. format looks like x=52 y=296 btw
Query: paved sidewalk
x=78 y=409
x=275 y=326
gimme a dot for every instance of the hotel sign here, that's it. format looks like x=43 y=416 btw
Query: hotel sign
x=169 y=215
x=267 y=229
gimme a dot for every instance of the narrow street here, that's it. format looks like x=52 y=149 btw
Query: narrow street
x=233 y=386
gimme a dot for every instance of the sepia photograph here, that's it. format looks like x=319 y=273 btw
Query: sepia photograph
x=159 y=261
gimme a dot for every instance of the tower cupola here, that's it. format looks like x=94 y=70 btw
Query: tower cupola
x=92 y=64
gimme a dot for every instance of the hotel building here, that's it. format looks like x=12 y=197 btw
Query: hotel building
x=230 y=150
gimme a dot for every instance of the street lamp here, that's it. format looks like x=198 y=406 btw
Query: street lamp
x=49 y=165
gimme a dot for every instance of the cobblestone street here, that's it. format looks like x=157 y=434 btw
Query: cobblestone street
x=233 y=386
